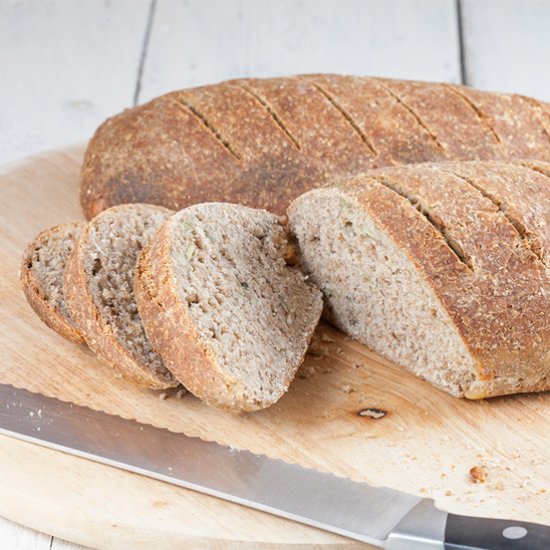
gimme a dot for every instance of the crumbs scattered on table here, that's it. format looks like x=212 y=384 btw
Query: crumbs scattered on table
x=316 y=350
x=478 y=474
x=326 y=338
x=306 y=372
x=180 y=393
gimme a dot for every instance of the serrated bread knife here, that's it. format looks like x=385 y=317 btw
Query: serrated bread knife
x=376 y=515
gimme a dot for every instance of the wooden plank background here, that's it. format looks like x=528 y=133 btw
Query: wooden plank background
x=65 y=65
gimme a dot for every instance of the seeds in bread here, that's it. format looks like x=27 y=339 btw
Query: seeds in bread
x=231 y=320
x=42 y=268
x=100 y=291
x=431 y=271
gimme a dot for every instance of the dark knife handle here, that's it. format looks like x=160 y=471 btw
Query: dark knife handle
x=468 y=533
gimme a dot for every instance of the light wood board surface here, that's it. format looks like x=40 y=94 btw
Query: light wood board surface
x=426 y=443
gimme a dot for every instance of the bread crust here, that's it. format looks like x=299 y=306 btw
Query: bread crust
x=516 y=120
x=499 y=304
x=453 y=123
x=171 y=329
x=97 y=332
x=500 y=313
x=172 y=332
x=50 y=315
x=520 y=191
x=221 y=143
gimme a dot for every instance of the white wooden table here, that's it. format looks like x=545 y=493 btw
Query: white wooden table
x=65 y=65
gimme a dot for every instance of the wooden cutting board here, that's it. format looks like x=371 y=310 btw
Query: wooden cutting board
x=426 y=442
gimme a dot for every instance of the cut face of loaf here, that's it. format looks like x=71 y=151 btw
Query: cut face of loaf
x=264 y=142
x=99 y=287
x=42 y=270
x=441 y=268
x=231 y=320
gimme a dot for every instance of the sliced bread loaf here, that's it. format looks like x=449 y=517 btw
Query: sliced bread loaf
x=99 y=288
x=42 y=268
x=439 y=267
x=231 y=320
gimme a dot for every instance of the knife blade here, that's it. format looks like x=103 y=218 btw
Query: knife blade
x=380 y=516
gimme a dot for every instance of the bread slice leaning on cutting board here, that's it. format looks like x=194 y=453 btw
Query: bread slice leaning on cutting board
x=230 y=319
x=262 y=143
x=443 y=268
x=42 y=270
x=99 y=289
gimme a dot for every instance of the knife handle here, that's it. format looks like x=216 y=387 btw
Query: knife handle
x=470 y=533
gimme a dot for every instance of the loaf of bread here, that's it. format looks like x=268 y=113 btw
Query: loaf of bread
x=42 y=269
x=264 y=142
x=441 y=267
x=99 y=289
x=230 y=319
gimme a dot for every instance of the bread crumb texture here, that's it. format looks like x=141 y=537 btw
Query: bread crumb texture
x=241 y=307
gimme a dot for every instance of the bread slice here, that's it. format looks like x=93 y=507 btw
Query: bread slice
x=231 y=320
x=99 y=288
x=42 y=268
x=430 y=269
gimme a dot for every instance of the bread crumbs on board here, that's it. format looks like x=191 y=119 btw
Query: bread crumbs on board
x=478 y=474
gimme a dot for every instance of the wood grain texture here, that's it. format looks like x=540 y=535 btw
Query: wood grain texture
x=197 y=42
x=426 y=443
x=506 y=46
x=17 y=537
x=58 y=544
x=66 y=66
